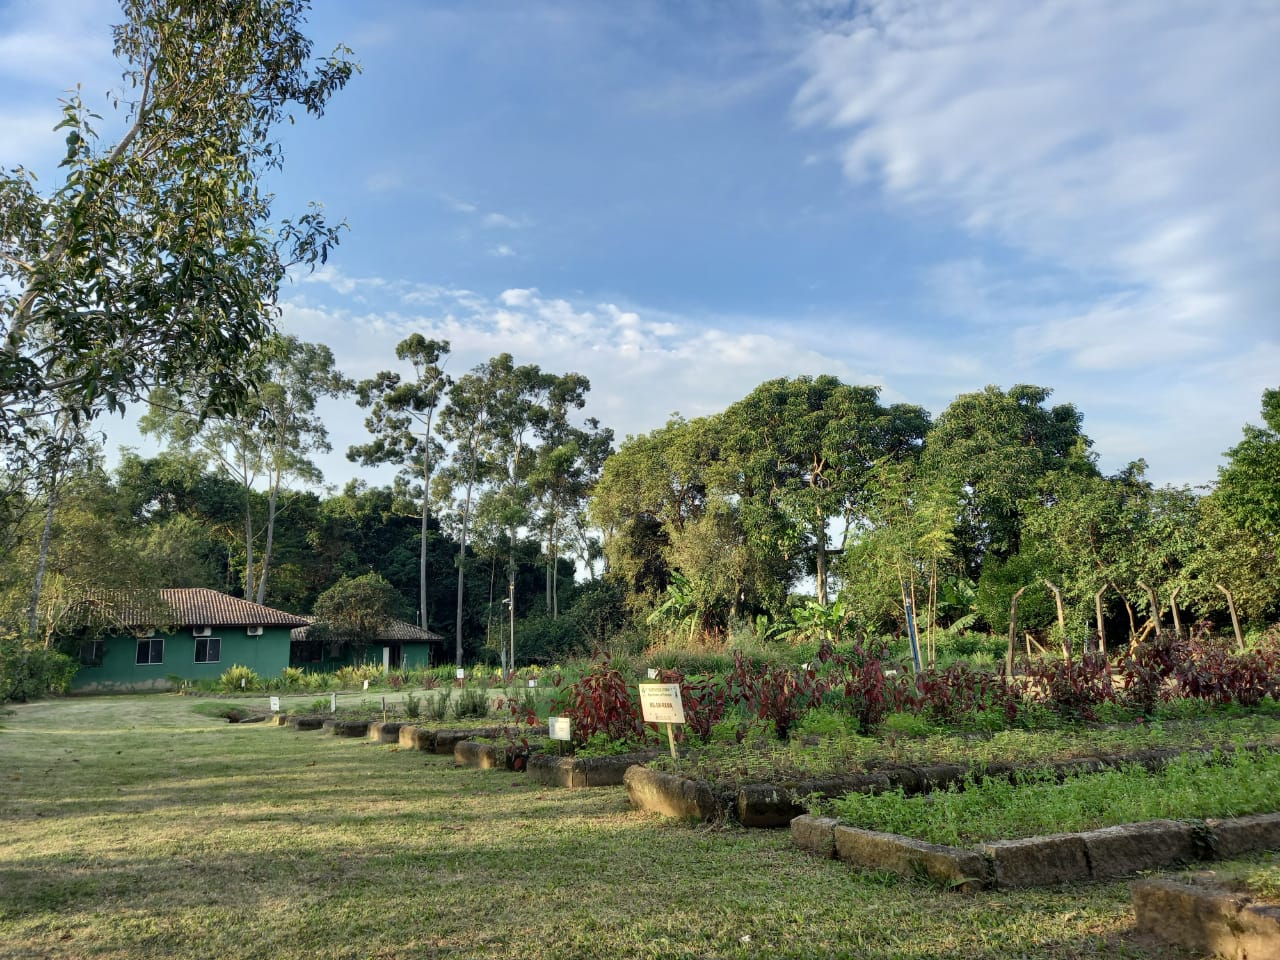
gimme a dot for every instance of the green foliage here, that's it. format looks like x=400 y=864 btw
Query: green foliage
x=825 y=722
x=30 y=671
x=542 y=639
x=471 y=702
x=1191 y=786
x=355 y=609
x=238 y=677
x=353 y=677
x=158 y=259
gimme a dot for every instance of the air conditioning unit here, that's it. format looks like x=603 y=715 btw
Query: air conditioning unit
x=253 y=631
x=202 y=631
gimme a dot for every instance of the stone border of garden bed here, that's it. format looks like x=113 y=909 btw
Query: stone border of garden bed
x=771 y=805
x=1041 y=861
x=1207 y=919
x=579 y=772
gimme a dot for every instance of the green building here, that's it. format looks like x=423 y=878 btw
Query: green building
x=143 y=640
x=397 y=646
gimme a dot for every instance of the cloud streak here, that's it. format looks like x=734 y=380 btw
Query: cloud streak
x=1129 y=144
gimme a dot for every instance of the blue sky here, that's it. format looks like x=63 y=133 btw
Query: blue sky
x=682 y=199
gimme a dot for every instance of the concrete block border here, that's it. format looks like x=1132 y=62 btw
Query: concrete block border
x=580 y=772
x=1208 y=920
x=1041 y=861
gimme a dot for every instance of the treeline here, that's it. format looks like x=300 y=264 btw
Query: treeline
x=811 y=484
x=808 y=502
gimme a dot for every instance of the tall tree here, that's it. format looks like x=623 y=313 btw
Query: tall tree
x=800 y=452
x=401 y=417
x=995 y=447
x=157 y=259
x=269 y=439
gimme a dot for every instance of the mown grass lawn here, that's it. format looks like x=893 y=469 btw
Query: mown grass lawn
x=133 y=827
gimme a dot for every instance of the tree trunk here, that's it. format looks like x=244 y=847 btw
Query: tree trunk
x=1102 y=629
x=555 y=570
x=271 y=537
x=1173 y=608
x=1155 y=606
x=249 y=572
x=1013 y=631
x=42 y=563
x=462 y=572
x=1062 y=621
x=1133 y=623
x=1235 y=620
x=511 y=596
x=820 y=533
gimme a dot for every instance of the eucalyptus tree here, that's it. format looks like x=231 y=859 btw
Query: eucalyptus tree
x=566 y=467
x=401 y=418
x=156 y=260
x=269 y=439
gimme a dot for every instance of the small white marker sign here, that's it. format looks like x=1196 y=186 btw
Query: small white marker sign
x=653 y=674
x=533 y=683
x=333 y=703
x=660 y=703
x=558 y=728
x=462 y=674
x=275 y=704
x=366 y=684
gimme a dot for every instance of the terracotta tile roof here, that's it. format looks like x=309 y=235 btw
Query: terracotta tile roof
x=185 y=607
x=393 y=630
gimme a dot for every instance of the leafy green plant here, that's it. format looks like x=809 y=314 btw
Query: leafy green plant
x=471 y=702
x=239 y=677
x=412 y=706
x=437 y=707
x=293 y=677
x=825 y=722
x=1191 y=786
x=29 y=671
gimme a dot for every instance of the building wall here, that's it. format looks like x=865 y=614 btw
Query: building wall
x=266 y=655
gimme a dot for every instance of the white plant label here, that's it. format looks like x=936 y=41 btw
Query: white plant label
x=533 y=683
x=275 y=704
x=461 y=674
x=653 y=674
x=558 y=728
x=660 y=703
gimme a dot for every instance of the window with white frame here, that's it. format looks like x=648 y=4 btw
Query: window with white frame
x=208 y=649
x=150 y=650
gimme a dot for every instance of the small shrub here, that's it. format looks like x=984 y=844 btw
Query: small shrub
x=28 y=671
x=601 y=702
x=238 y=677
x=437 y=707
x=908 y=724
x=412 y=706
x=825 y=722
x=471 y=702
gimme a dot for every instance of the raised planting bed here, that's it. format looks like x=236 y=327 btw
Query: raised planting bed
x=1039 y=861
x=385 y=732
x=491 y=754
x=1208 y=919
x=775 y=804
x=350 y=728
x=306 y=723
x=574 y=772
x=413 y=737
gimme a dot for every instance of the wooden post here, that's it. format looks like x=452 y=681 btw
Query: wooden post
x=1062 y=621
x=1013 y=632
x=1102 y=629
x=1173 y=607
x=1235 y=620
x=1155 y=606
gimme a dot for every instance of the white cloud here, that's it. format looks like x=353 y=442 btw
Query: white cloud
x=1129 y=144
x=502 y=250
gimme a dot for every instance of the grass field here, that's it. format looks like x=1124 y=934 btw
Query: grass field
x=134 y=827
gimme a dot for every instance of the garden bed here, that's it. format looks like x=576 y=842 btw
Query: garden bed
x=775 y=804
x=1209 y=919
x=575 y=772
x=1105 y=853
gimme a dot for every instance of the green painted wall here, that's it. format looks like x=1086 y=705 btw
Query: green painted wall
x=266 y=655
